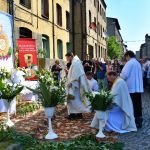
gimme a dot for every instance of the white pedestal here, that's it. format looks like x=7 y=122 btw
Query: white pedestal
x=8 y=122
x=102 y=117
x=49 y=112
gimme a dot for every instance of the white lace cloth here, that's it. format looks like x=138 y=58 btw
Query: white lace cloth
x=27 y=94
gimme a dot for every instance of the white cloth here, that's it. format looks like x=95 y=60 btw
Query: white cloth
x=76 y=76
x=115 y=120
x=27 y=94
x=4 y=106
x=132 y=74
x=93 y=85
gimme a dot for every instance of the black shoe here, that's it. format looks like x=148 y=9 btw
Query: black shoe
x=71 y=117
x=138 y=122
x=79 y=116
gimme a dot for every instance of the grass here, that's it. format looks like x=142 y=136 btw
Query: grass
x=4 y=145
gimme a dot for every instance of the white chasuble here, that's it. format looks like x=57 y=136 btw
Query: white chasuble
x=79 y=85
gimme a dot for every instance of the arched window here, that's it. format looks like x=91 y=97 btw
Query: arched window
x=45 y=8
x=45 y=45
x=60 y=49
x=25 y=32
x=59 y=14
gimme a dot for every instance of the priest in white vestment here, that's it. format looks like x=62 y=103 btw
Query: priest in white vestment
x=77 y=85
x=120 y=117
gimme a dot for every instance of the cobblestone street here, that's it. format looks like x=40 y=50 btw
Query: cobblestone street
x=140 y=140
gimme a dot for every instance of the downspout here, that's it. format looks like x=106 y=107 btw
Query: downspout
x=85 y=50
x=73 y=41
x=13 y=27
x=37 y=9
x=97 y=30
x=81 y=9
x=53 y=29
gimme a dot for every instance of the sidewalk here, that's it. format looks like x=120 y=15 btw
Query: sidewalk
x=140 y=140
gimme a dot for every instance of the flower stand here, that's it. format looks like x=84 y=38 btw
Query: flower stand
x=49 y=112
x=102 y=118
x=8 y=121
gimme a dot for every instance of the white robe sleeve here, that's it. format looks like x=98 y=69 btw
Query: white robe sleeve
x=126 y=71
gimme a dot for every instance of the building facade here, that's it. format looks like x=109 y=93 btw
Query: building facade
x=47 y=21
x=145 y=48
x=88 y=28
x=113 y=29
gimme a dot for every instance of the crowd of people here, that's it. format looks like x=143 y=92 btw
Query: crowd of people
x=125 y=79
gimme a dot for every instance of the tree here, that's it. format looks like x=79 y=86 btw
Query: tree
x=114 y=48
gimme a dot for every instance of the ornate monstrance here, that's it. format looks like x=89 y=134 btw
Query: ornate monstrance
x=4 y=43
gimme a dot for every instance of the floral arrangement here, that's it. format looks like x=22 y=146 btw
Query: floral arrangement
x=50 y=92
x=4 y=74
x=9 y=90
x=102 y=100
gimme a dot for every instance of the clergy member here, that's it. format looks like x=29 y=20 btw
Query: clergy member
x=77 y=85
x=121 y=117
x=92 y=82
x=132 y=74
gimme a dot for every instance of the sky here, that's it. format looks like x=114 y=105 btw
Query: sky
x=134 y=19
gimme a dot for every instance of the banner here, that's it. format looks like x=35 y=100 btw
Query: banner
x=27 y=52
x=6 y=41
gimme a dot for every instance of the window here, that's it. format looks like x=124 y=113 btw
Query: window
x=102 y=13
x=98 y=29
x=25 y=32
x=90 y=17
x=26 y=3
x=95 y=3
x=99 y=51
x=60 y=49
x=68 y=47
x=98 y=6
x=95 y=22
x=59 y=14
x=96 y=50
x=100 y=9
x=105 y=53
x=67 y=20
x=45 y=8
x=101 y=31
x=45 y=45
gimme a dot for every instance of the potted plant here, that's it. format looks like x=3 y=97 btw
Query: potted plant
x=50 y=94
x=8 y=91
x=101 y=102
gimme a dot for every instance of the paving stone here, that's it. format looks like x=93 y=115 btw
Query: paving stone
x=139 y=140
